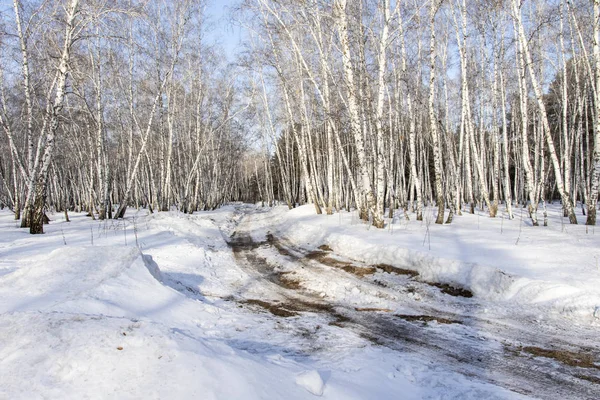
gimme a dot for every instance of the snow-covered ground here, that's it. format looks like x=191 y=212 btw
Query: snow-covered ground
x=553 y=269
x=160 y=306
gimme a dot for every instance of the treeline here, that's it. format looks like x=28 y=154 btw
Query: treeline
x=376 y=105
x=106 y=104
x=386 y=104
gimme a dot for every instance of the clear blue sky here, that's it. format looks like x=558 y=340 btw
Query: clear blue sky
x=222 y=30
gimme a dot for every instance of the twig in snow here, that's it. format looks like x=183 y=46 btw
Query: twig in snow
x=520 y=228
x=135 y=233
x=125 y=231
x=427 y=233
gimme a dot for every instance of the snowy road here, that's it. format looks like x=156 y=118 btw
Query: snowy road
x=228 y=304
x=441 y=324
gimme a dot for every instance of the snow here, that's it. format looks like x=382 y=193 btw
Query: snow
x=311 y=381
x=552 y=269
x=142 y=308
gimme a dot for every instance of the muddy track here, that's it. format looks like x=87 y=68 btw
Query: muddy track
x=505 y=353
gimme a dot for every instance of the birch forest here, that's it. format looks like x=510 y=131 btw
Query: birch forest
x=379 y=106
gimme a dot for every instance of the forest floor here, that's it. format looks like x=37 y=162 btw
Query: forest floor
x=254 y=303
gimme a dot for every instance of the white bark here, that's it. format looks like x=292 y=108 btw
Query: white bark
x=435 y=142
x=592 y=205
x=523 y=96
x=565 y=196
x=381 y=62
x=26 y=86
x=365 y=185
x=39 y=177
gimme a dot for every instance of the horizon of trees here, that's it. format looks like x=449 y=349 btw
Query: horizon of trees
x=398 y=104
x=376 y=105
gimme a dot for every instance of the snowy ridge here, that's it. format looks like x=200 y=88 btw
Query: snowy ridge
x=537 y=281
x=69 y=274
x=97 y=322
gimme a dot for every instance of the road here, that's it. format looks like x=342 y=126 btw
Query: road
x=542 y=358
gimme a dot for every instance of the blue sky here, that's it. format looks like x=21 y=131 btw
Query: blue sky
x=222 y=30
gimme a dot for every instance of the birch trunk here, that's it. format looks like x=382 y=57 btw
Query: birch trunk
x=36 y=197
x=414 y=176
x=593 y=197
x=435 y=142
x=26 y=86
x=505 y=148
x=522 y=38
x=365 y=187
x=523 y=108
x=381 y=62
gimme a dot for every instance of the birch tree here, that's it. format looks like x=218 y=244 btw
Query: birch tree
x=433 y=123
x=593 y=199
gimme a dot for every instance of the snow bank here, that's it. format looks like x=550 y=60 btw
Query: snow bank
x=72 y=356
x=552 y=269
x=71 y=273
x=138 y=309
x=96 y=322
